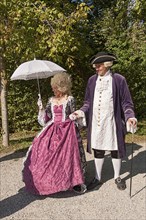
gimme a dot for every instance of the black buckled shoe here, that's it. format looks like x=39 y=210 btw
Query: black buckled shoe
x=121 y=185
x=80 y=189
x=93 y=184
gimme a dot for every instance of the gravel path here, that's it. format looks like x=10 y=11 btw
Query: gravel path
x=104 y=203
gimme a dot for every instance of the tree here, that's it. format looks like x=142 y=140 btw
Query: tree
x=122 y=29
x=5 y=131
x=37 y=29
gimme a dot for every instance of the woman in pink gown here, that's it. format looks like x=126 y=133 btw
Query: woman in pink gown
x=56 y=160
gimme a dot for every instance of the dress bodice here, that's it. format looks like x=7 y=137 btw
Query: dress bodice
x=58 y=111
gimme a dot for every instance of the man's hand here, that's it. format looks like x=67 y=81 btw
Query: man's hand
x=73 y=116
x=131 y=125
x=132 y=122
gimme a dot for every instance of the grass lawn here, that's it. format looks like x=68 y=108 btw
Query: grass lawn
x=20 y=141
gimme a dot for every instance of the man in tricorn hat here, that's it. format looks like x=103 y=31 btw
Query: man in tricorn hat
x=107 y=108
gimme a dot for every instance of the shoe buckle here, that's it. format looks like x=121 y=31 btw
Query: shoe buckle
x=118 y=180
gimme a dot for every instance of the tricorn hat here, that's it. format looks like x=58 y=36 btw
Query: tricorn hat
x=102 y=57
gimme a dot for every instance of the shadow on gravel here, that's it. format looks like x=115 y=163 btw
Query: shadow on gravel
x=15 y=155
x=20 y=200
x=135 y=166
x=138 y=165
x=15 y=203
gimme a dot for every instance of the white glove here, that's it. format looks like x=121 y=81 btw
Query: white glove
x=39 y=102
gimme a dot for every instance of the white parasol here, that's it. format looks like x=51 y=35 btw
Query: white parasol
x=36 y=69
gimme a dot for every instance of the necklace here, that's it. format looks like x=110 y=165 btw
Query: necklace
x=60 y=100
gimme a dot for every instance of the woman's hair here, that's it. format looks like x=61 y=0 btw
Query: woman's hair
x=62 y=82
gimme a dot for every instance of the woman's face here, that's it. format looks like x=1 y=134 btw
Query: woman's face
x=56 y=92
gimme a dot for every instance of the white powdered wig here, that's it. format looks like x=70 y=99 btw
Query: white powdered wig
x=108 y=63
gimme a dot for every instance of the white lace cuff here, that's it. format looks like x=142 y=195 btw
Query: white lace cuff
x=41 y=115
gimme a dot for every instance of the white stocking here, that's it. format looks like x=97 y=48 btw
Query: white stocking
x=98 y=167
x=117 y=167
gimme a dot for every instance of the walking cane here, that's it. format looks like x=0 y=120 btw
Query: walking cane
x=131 y=168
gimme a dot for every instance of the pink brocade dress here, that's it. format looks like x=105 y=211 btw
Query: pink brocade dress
x=53 y=163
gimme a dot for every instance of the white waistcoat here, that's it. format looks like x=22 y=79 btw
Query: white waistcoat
x=103 y=133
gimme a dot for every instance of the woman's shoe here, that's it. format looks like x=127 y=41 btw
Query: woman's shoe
x=80 y=189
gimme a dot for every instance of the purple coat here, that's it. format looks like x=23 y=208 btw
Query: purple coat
x=123 y=109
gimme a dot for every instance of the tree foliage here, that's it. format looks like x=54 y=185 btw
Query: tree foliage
x=44 y=30
x=69 y=33
x=122 y=29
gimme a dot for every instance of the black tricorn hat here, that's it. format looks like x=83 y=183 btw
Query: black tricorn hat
x=102 y=57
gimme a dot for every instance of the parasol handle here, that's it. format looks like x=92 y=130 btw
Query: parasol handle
x=38 y=87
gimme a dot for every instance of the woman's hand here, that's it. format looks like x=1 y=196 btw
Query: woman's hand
x=39 y=102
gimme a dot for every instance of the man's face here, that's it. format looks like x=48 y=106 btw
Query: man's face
x=100 y=69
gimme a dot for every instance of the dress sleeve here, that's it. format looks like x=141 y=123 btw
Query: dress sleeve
x=45 y=115
x=72 y=104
